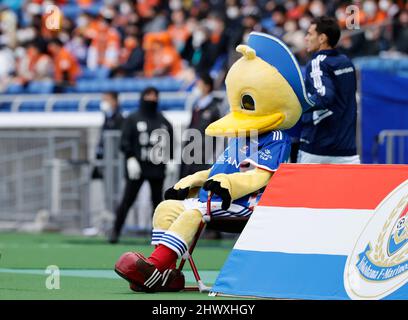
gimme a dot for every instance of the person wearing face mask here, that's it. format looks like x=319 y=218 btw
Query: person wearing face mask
x=205 y=110
x=113 y=120
x=199 y=51
x=147 y=143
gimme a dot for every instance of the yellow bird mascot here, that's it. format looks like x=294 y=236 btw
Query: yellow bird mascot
x=266 y=95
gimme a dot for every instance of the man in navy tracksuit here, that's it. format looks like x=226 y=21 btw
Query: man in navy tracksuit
x=329 y=128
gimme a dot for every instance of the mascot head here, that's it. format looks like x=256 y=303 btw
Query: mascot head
x=265 y=89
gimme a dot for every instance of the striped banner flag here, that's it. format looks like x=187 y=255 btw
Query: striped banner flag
x=324 y=232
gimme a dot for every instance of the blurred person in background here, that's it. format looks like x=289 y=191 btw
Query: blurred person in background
x=328 y=132
x=220 y=39
x=101 y=218
x=293 y=37
x=157 y=22
x=125 y=17
x=401 y=32
x=279 y=18
x=131 y=59
x=66 y=67
x=7 y=66
x=35 y=65
x=113 y=120
x=145 y=8
x=77 y=45
x=250 y=23
x=233 y=15
x=372 y=14
x=179 y=30
x=161 y=58
x=143 y=130
x=205 y=110
x=200 y=52
x=104 y=48
x=8 y=27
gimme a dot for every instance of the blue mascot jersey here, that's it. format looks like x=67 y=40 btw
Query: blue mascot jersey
x=266 y=152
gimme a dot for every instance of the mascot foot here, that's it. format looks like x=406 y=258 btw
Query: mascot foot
x=144 y=276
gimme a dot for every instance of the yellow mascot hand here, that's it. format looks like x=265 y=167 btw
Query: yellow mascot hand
x=236 y=185
x=187 y=186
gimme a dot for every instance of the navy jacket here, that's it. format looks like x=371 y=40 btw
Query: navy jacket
x=329 y=128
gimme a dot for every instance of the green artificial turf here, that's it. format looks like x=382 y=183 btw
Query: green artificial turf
x=86 y=267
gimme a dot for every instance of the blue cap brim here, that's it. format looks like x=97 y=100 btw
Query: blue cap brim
x=276 y=53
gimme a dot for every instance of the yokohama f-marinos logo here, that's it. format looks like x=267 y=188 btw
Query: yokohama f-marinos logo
x=378 y=264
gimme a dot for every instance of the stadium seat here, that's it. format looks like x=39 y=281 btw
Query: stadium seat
x=86 y=86
x=5 y=106
x=172 y=104
x=66 y=106
x=32 y=106
x=44 y=87
x=129 y=105
x=14 y=88
x=71 y=10
x=93 y=105
x=101 y=84
x=99 y=73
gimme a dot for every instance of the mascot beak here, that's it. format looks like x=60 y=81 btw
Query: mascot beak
x=240 y=124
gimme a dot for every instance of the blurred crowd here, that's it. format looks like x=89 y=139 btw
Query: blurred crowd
x=179 y=38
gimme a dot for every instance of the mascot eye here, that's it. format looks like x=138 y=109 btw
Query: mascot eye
x=247 y=102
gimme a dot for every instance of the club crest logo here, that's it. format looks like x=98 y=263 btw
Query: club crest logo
x=399 y=234
x=378 y=264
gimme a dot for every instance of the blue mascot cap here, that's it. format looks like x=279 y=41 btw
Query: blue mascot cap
x=276 y=53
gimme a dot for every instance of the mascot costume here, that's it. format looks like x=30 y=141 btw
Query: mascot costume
x=266 y=94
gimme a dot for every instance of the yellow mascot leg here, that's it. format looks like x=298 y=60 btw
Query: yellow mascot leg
x=165 y=214
x=174 y=226
x=186 y=225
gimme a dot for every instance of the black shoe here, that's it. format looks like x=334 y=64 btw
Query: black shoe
x=113 y=238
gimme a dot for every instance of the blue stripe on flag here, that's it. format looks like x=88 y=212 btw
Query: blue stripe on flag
x=284 y=275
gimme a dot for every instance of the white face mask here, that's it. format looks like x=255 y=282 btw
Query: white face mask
x=175 y=5
x=64 y=37
x=316 y=8
x=125 y=8
x=384 y=5
x=106 y=107
x=197 y=92
x=212 y=25
x=198 y=38
x=82 y=21
x=370 y=8
x=232 y=12
x=304 y=23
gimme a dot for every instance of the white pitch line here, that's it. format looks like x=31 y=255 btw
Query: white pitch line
x=207 y=275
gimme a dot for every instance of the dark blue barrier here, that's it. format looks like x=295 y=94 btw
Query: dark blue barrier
x=384 y=106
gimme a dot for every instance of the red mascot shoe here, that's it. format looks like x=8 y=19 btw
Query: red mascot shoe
x=144 y=276
x=175 y=282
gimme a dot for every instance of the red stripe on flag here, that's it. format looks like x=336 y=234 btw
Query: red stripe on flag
x=332 y=186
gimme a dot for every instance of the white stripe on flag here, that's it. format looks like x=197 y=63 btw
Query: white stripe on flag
x=303 y=230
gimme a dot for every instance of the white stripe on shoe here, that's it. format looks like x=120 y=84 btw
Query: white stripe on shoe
x=165 y=277
x=153 y=278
